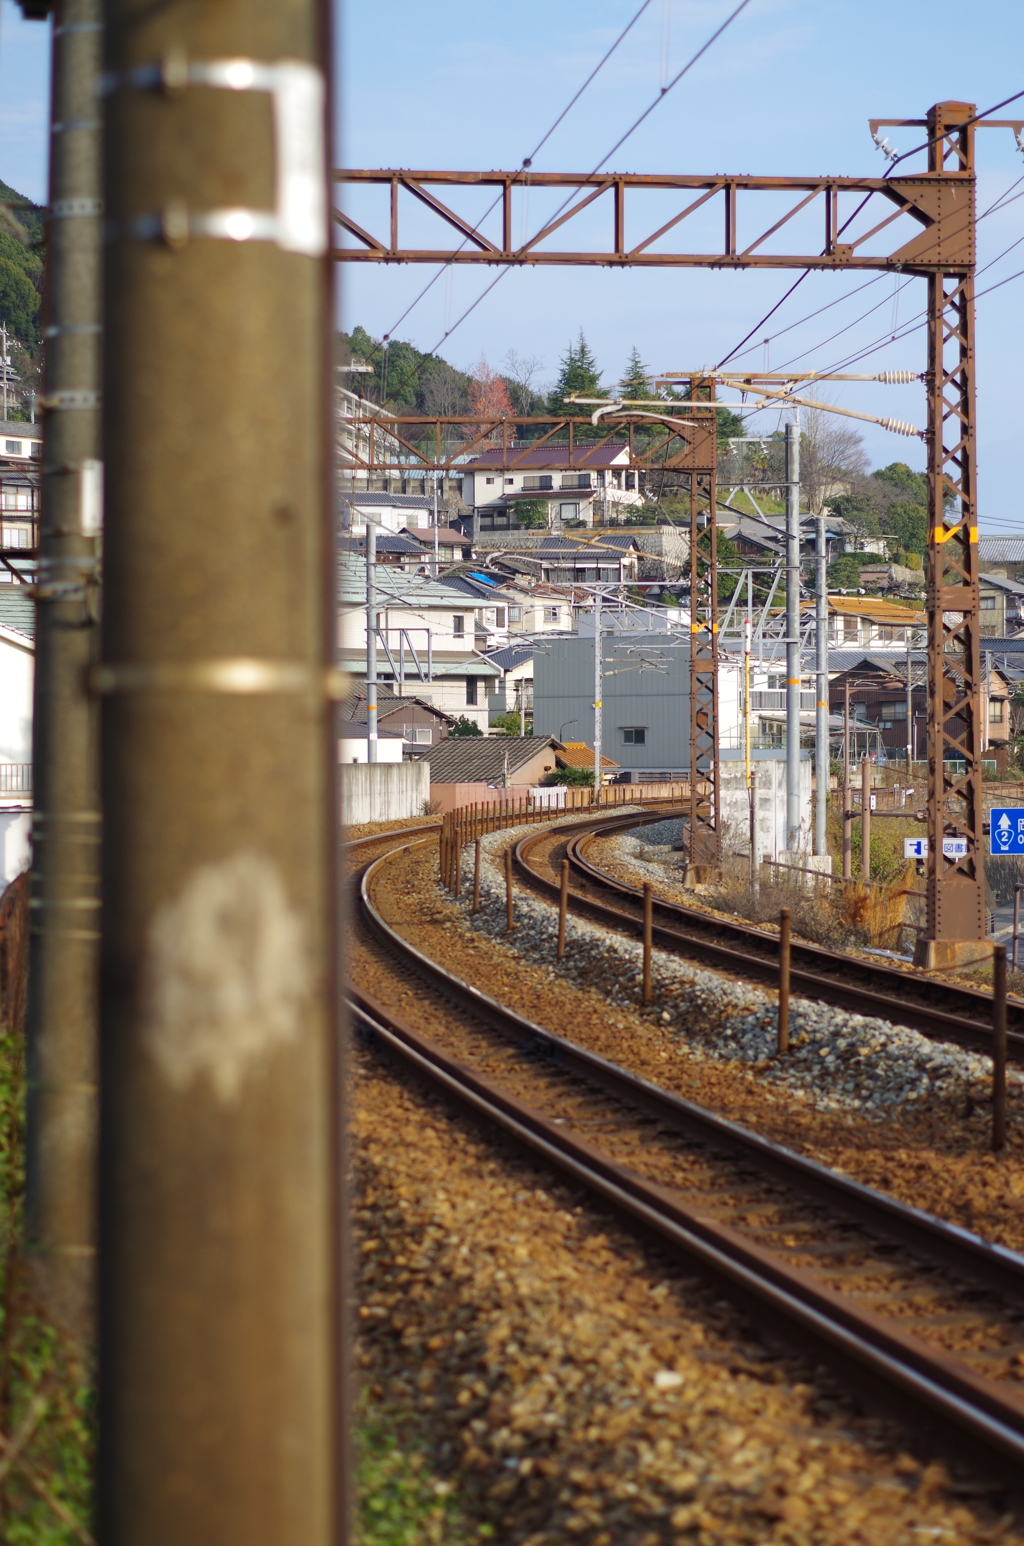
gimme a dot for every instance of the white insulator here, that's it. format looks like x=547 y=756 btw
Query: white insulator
x=898 y=377
x=899 y=427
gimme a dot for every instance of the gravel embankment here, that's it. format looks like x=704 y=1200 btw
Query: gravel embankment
x=838 y=1059
x=568 y=1384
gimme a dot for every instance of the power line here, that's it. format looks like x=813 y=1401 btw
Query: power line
x=757 y=326
x=617 y=146
x=526 y=164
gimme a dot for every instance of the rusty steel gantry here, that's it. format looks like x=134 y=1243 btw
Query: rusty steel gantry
x=941 y=202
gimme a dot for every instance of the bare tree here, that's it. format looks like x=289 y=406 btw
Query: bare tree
x=521 y=371
x=444 y=390
x=832 y=457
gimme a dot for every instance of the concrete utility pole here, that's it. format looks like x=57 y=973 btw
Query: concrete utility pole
x=792 y=636
x=371 y=641
x=597 y=692
x=910 y=708
x=63 y=1005
x=821 y=751
x=220 y=1295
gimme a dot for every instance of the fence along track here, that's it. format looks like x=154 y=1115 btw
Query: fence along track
x=945 y=1284
x=939 y=1009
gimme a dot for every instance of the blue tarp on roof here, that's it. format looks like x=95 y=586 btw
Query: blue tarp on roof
x=488 y=579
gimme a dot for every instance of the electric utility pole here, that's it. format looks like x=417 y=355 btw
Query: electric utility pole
x=597 y=693
x=821 y=756
x=792 y=636
x=220 y=1297
x=63 y=1001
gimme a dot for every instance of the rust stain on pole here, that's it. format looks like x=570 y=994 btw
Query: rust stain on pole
x=784 y=960
x=222 y=1246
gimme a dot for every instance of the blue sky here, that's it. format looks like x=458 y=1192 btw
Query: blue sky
x=787 y=89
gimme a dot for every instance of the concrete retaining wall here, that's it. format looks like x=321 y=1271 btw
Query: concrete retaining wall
x=383 y=791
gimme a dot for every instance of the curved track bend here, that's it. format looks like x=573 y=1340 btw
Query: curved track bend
x=901 y=1300
x=940 y=1009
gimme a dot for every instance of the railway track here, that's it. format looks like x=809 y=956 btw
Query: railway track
x=903 y=1302
x=939 y=1009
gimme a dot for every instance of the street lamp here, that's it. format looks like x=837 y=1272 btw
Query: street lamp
x=563 y=725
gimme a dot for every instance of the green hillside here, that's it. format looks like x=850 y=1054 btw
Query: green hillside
x=21 y=265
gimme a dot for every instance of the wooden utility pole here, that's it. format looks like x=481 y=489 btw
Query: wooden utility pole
x=221 y=1168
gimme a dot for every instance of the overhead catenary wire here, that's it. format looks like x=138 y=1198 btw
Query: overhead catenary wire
x=694 y=58
x=798 y=282
x=527 y=162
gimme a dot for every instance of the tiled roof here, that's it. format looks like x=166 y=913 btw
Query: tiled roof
x=480 y=759
x=511 y=657
x=577 y=754
x=17 y=610
x=1001 y=550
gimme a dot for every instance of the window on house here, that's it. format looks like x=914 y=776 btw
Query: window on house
x=12 y=447
x=488 y=480
x=631 y=480
x=551 y=614
x=851 y=627
x=634 y=735
x=458 y=625
x=891 y=711
x=499 y=617
x=988 y=603
x=418 y=735
x=538 y=481
x=515 y=614
x=569 y=512
x=995 y=711
x=471 y=690
x=510 y=480
x=575 y=480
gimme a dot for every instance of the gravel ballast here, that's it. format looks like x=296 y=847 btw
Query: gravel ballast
x=568 y=1384
x=837 y=1059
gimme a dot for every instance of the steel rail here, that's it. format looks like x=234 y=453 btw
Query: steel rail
x=865 y=1342
x=939 y=1009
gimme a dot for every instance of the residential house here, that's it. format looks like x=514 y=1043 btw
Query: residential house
x=512 y=691
x=566 y=559
x=878 y=706
x=397 y=550
x=388 y=512
x=20 y=449
x=467 y=770
x=426 y=639
x=588 y=485
x=865 y=621
x=577 y=754
x=447 y=543
x=411 y=722
x=1001 y=601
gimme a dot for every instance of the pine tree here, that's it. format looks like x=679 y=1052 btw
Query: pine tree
x=634 y=382
x=579 y=374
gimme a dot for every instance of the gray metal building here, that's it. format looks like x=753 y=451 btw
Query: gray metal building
x=645 y=696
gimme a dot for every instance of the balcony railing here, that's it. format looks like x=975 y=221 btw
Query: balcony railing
x=15 y=778
x=774 y=698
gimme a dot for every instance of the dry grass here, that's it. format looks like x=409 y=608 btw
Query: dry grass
x=837 y=917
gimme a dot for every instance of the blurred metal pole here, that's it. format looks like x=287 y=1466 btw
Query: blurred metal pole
x=821 y=747
x=60 y=1216
x=793 y=636
x=220 y=1219
x=371 y=641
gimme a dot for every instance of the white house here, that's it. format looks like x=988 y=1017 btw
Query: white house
x=590 y=485
x=17 y=673
x=426 y=638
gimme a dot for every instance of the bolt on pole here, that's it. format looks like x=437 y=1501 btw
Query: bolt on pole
x=792 y=637
x=63 y=1008
x=222 y=1236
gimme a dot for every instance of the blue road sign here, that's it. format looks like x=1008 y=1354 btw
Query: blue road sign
x=1007 y=830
